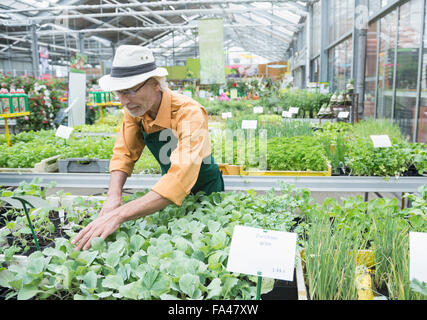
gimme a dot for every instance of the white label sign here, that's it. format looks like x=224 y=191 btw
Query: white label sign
x=249 y=124
x=226 y=115
x=293 y=110
x=258 y=109
x=63 y=132
x=418 y=256
x=381 y=141
x=287 y=114
x=265 y=253
x=343 y=114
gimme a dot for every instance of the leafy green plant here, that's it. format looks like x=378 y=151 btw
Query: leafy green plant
x=301 y=153
x=365 y=160
x=177 y=253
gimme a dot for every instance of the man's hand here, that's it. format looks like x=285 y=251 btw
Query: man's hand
x=110 y=204
x=102 y=227
x=110 y=221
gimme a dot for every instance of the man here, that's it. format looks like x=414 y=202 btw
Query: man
x=175 y=129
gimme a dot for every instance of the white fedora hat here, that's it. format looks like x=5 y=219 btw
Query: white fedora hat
x=131 y=65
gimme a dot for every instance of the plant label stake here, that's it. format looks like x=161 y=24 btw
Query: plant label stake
x=64 y=132
x=287 y=114
x=381 y=141
x=260 y=252
x=293 y=110
x=418 y=256
x=249 y=124
x=20 y=202
x=258 y=109
x=343 y=115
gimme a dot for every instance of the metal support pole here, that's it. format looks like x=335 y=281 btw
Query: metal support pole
x=360 y=33
x=35 y=51
x=324 y=40
x=393 y=103
x=420 y=71
x=81 y=43
x=309 y=44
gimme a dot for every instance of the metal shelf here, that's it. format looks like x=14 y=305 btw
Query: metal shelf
x=232 y=183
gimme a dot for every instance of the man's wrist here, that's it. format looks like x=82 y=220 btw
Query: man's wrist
x=114 y=194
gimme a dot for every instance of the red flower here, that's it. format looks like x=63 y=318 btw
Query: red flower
x=45 y=121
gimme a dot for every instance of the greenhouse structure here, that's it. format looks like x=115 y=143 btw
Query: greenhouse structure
x=222 y=151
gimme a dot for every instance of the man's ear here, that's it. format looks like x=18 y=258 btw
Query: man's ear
x=156 y=85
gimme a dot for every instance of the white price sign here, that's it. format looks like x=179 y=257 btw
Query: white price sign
x=293 y=110
x=343 y=114
x=260 y=252
x=418 y=256
x=226 y=115
x=249 y=124
x=381 y=141
x=258 y=109
x=64 y=131
x=287 y=114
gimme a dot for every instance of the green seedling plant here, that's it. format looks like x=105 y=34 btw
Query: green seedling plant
x=177 y=253
x=330 y=260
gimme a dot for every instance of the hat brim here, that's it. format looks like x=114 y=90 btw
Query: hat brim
x=108 y=83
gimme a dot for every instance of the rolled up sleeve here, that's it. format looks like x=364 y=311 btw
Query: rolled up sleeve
x=193 y=145
x=128 y=147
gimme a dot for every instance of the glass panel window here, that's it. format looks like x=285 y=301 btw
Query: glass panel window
x=407 y=65
x=371 y=70
x=340 y=60
x=388 y=26
x=374 y=5
x=340 y=18
x=422 y=119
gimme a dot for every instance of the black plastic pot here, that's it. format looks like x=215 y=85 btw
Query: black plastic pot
x=283 y=290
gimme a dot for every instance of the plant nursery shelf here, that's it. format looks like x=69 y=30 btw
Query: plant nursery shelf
x=232 y=183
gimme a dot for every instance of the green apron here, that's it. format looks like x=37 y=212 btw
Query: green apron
x=210 y=177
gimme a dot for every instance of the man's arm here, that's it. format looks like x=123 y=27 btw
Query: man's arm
x=114 y=194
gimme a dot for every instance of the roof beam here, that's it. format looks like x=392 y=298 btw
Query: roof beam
x=147 y=4
x=78 y=15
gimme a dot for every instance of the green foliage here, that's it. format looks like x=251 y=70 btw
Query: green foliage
x=29 y=148
x=303 y=153
x=177 y=253
x=365 y=160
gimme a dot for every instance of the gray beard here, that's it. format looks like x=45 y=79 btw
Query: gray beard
x=136 y=114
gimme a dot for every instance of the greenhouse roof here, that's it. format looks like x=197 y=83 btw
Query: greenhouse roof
x=263 y=28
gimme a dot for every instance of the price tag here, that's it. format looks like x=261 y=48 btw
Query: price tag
x=226 y=115
x=63 y=132
x=293 y=110
x=287 y=114
x=258 y=109
x=249 y=124
x=418 y=256
x=381 y=141
x=260 y=252
x=343 y=114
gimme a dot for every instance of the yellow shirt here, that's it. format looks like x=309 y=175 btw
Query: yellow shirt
x=188 y=121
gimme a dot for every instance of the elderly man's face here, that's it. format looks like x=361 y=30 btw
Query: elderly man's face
x=140 y=98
